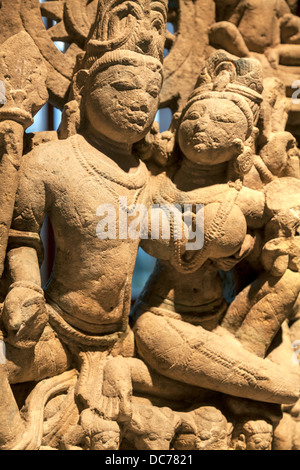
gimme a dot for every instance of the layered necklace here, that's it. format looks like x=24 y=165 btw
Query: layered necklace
x=134 y=182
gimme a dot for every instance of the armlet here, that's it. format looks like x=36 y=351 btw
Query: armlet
x=18 y=239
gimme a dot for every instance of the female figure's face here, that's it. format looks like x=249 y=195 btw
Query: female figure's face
x=208 y=130
x=122 y=101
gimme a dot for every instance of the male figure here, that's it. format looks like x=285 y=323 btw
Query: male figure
x=113 y=105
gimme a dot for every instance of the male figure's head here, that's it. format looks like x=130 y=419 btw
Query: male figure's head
x=120 y=95
x=117 y=83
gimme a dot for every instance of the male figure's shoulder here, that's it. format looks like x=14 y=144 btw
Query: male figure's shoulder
x=48 y=157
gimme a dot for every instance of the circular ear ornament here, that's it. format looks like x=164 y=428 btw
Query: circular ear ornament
x=244 y=162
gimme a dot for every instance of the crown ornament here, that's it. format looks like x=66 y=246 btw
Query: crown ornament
x=134 y=25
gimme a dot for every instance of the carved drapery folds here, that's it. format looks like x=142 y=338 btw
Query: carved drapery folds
x=194 y=368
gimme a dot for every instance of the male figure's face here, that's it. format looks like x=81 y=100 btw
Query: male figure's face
x=122 y=101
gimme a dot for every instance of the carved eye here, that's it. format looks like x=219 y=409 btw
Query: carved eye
x=154 y=92
x=122 y=85
x=222 y=118
x=193 y=116
x=257 y=441
x=152 y=437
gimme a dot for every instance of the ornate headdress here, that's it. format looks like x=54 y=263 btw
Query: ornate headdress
x=133 y=25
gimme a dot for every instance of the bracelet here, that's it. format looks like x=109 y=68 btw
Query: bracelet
x=27 y=285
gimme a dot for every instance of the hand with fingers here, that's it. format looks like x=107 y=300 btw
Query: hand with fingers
x=24 y=315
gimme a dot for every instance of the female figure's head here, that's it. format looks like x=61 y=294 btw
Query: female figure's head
x=219 y=119
x=214 y=127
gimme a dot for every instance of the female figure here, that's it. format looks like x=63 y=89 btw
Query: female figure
x=178 y=315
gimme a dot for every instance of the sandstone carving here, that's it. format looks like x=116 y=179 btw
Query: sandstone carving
x=209 y=357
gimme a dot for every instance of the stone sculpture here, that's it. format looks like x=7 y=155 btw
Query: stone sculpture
x=191 y=369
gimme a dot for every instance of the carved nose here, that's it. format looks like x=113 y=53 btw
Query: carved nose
x=144 y=108
x=139 y=107
x=201 y=125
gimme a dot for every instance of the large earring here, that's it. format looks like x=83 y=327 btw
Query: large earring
x=70 y=122
x=244 y=162
x=72 y=113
